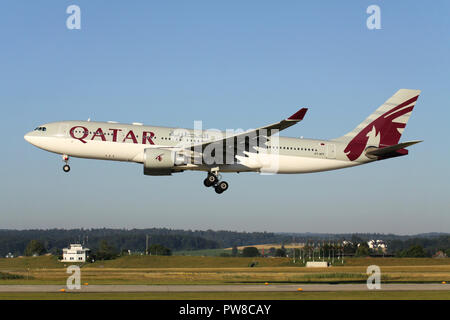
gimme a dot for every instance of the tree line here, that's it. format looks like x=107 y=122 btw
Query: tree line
x=53 y=240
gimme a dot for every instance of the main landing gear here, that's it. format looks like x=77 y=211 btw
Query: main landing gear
x=66 y=167
x=212 y=180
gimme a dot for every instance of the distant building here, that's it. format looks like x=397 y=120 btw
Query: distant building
x=75 y=253
x=377 y=244
x=317 y=264
x=440 y=254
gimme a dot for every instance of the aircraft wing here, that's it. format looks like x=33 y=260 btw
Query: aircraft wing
x=265 y=131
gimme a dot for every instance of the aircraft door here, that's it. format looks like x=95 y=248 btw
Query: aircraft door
x=63 y=130
x=331 y=151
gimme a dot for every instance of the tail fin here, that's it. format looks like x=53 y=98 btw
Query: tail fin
x=384 y=127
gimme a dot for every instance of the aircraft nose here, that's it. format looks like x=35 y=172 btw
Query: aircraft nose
x=27 y=137
x=30 y=137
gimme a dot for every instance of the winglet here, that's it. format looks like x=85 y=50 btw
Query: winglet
x=299 y=115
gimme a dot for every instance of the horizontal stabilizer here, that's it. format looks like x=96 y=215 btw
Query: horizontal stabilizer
x=388 y=151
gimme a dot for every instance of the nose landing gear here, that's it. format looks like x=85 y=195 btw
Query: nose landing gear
x=212 y=180
x=66 y=167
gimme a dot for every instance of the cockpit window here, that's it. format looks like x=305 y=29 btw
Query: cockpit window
x=40 y=129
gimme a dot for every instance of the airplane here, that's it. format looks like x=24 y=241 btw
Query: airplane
x=166 y=150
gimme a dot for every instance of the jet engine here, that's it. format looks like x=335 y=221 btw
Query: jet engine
x=161 y=162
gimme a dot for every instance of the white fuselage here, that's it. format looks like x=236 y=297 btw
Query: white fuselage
x=128 y=142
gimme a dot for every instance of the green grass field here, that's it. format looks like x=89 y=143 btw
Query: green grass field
x=220 y=270
x=200 y=261
x=9 y=276
x=190 y=262
x=30 y=262
x=239 y=262
x=224 y=270
x=355 y=295
x=205 y=252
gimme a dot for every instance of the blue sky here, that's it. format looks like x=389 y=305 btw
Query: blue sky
x=231 y=64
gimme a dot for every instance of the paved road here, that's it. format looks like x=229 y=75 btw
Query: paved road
x=225 y=288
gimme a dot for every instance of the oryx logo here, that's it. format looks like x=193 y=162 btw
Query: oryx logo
x=383 y=128
x=159 y=158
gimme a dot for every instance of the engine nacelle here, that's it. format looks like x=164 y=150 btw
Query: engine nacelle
x=160 y=162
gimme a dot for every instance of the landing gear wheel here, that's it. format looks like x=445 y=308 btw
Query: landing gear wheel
x=221 y=187
x=210 y=180
x=66 y=167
